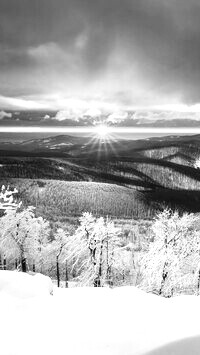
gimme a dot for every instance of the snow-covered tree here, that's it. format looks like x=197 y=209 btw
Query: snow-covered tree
x=57 y=250
x=22 y=235
x=7 y=201
x=175 y=239
x=39 y=243
x=94 y=251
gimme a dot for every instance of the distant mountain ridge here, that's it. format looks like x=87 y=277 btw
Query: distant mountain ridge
x=83 y=146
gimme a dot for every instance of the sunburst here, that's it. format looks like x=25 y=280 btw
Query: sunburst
x=102 y=140
x=102 y=131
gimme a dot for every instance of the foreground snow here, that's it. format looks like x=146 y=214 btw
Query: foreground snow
x=23 y=285
x=94 y=321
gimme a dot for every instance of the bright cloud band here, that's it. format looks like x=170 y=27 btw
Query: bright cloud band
x=131 y=130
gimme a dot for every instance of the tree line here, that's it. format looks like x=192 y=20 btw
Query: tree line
x=93 y=255
x=97 y=254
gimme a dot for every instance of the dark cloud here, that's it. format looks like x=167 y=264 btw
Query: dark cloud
x=145 y=50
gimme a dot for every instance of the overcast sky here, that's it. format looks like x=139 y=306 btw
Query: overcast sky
x=100 y=55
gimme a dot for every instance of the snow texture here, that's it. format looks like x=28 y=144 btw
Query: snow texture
x=96 y=321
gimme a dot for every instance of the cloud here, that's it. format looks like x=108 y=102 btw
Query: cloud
x=77 y=114
x=4 y=114
x=20 y=103
x=47 y=117
x=79 y=109
x=130 y=52
x=117 y=116
x=74 y=109
x=67 y=115
x=151 y=116
x=93 y=112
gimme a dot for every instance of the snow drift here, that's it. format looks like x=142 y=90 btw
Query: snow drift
x=100 y=321
x=23 y=285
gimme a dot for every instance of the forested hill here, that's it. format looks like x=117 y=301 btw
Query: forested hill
x=149 y=174
x=79 y=146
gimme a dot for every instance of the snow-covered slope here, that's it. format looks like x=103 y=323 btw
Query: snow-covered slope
x=99 y=321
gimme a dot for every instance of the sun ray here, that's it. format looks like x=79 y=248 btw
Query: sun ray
x=102 y=140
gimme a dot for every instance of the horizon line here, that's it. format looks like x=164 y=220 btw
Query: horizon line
x=92 y=129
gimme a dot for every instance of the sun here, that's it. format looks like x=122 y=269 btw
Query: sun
x=102 y=140
x=102 y=131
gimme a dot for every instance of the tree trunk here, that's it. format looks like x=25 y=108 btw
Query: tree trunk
x=4 y=263
x=109 y=268
x=110 y=279
x=97 y=280
x=164 y=272
x=107 y=263
x=16 y=264
x=1 y=266
x=134 y=278
x=66 y=276
x=23 y=263
x=198 y=282
x=57 y=271
x=164 y=277
x=34 y=267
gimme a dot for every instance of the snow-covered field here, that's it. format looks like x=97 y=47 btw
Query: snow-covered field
x=94 y=321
